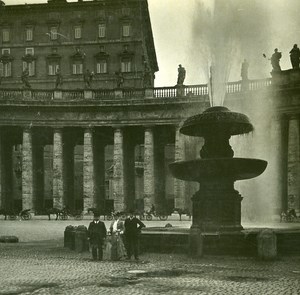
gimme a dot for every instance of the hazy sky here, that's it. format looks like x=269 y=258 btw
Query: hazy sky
x=177 y=24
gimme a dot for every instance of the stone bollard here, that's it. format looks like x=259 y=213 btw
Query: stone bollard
x=9 y=239
x=81 y=241
x=69 y=237
x=267 y=244
x=196 y=243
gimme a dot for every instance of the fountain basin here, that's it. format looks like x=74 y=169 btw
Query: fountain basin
x=216 y=168
x=216 y=120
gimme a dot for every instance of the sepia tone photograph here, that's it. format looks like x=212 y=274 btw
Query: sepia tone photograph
x=149 y=147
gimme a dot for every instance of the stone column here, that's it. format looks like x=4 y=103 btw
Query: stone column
x=2 y=171
x=293 y=164
x=68 y=158
x=159 y=172
x=58 y=179
x=89 y=200
x=149 y=180
x=118 y=176
x=38 y=174
x=179 y=185
x=99 y=171
x=28 y=201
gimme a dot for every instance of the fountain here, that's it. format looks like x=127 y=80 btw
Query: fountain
x=217 y=205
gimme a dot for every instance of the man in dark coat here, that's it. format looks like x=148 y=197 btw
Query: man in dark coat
x=133 y=228
x=97 y=235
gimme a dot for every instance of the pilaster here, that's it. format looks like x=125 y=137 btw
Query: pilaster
x=89 y=200
x=293 y=164
x=149 y=180
x=58 y=179
x=28 y=201
x=118 y=175
x=179 y=185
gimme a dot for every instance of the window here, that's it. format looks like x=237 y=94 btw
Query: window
x=29 y=34
x=53 y=68
x=30 y=65
x=125 y=11
x=77 y=32
x=5 y=69
x=101 y=67
x=126 y=30
x=6 y=51
x=29 y=51
x=125 y=66
x=53 y=33
x=101 y=30
x=77 y=68
x=5 y=35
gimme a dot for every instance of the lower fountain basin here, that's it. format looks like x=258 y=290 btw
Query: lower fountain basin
x=233 y=168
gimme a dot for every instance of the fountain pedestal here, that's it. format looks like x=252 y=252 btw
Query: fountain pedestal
x=217 y=205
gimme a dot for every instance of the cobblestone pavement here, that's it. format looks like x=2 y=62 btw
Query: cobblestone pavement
x=45 y=267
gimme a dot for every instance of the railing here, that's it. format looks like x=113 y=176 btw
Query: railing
x=42 y=94
x=134 y=93
x=72 y=94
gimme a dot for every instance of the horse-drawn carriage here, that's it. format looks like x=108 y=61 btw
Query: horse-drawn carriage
x=288 y=216
x=13 y=215
x=60 y=214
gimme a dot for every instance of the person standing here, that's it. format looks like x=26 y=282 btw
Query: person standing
x=295 y=56
x=116 y=230
x=132 y=231
x=97 y=235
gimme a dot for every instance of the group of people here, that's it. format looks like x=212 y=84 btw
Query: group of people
x=121 y=241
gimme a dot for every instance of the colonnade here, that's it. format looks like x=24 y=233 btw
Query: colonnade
x=93 y=141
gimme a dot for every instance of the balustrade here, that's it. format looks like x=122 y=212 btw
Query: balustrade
x=134 y=93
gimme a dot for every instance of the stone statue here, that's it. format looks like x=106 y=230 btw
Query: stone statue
x=181 y=75
x=120 y=79
x=88 y=78
x=275 y=58
x=244 y=70
x=24 y=78
x=147 y=79
x=59 y=79
x=295 y=57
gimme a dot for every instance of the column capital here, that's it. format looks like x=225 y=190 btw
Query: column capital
x=57 y=129
x=149 y=127
x=89 y=129
x=293 y=116
x=27 y=129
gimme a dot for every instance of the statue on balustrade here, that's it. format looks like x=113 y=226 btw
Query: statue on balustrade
x=24 y=78
x=295 y=57
x=181 y=75
x=88 y=78
x=275 y=59
x=244 y=70
x=59 y=79
x=147 y=79
x=119 y=78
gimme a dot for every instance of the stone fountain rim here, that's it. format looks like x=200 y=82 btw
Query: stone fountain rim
x=217 y=118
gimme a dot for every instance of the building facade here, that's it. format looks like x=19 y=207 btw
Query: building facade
x=102 y=39
x=106 y=142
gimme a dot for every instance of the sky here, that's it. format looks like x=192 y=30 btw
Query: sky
x=178 y=29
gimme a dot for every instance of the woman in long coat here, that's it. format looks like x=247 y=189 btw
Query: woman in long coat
x=117 y=246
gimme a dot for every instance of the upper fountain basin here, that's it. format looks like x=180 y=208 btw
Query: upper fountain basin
x=206 y=169
x=216 y=120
